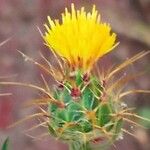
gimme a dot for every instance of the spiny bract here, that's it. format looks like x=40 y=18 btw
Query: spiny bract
x=88 y=114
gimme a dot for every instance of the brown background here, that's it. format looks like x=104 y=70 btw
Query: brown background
x=18 y=20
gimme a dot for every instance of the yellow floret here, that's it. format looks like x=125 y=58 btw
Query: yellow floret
x=80 y=38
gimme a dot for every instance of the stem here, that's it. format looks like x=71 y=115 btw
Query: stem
x=87 y=146
x=79 y=146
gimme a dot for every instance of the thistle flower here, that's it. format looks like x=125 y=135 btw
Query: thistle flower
x=85 y=108
x=81 y=38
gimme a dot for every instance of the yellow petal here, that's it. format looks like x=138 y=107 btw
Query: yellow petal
x=81 y=38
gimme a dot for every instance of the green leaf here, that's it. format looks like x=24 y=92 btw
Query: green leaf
x=74 y=111
x=104 y=114
x=87 y=98
x=52 y=107
x=79 y=79
x=96 y=86
x=5 y=144
x=62 y=114
x=86 y=126
x=65 y=96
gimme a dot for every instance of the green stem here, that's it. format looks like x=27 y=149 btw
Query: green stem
x=79 y=146
x=87 y=146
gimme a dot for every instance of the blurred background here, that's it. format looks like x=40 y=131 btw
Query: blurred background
x=19 y=19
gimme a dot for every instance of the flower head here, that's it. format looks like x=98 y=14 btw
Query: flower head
x=81 y=38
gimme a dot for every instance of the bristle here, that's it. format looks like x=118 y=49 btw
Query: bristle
x=134 y=92
x=5 y=94
x=129 y=133
x=26 y=118
x=132 y=122
x=137 y=116
x=45 y=83
x=51 y=99
x=127 y=62
x=27 y=58
x=122 y=82
x=4 y=42
x=35 y=127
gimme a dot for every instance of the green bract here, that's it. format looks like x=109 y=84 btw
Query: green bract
x=88 y=116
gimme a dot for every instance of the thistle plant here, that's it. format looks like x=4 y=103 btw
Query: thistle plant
x=85 y=107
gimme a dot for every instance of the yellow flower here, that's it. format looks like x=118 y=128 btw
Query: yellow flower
x=80 y=38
